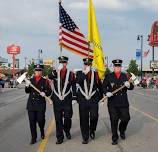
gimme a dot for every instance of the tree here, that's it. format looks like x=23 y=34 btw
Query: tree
x=46 y=70
x=133 y=68
x=107 y=71
x=31 y=69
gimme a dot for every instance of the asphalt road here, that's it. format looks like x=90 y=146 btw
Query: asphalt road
x=142 y=134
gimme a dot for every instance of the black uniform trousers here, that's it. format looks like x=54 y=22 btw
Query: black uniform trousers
x=116 y=114
x=34 y=118
x=88 y=118
x=63 y=115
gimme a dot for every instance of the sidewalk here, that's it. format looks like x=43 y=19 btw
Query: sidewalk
x=2 y=90
x=20 y=86
x=148 y=90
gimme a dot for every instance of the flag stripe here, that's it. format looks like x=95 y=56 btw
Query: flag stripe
x=74 y=40
x=76 y=51
x=71 y=37
x=79 y=33
x=76 y=48
x=62 y=31
x=75 y=44
x=74 y=37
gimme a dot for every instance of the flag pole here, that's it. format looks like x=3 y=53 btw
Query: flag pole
x=89 y=48
x=61 y=49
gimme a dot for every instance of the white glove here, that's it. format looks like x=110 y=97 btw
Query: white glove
x=42 y=94
x=127 y=84
x=87 y=70
x=74 y=102
x=60 y=66
x=109 y=94
x=28 y=82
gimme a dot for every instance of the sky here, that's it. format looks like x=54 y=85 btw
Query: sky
x=34 y=25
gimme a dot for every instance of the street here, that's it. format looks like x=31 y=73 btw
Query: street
x=78 y=50
x=142 y=131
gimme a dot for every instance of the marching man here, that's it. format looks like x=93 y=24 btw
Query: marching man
x=63 y=94
x=89 y=94
x=36 y=104
x=118 y=105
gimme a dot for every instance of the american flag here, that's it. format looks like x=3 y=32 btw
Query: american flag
x=70 y=36
x=146 y=53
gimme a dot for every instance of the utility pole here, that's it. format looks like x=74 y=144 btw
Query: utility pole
x=153 y=58
x=140 y=37
x=25 y=61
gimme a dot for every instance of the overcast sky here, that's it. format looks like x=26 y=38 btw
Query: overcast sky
x=33 y=24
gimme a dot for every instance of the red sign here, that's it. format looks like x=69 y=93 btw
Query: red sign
x=13 y=49
x=153 y=39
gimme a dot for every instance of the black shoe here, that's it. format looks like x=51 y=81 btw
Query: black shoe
x=68 y=135
x=33 y=141
x=85 y=142
x=114 y=142
x=92 y=134
x=122 y=135
x=42 y=136
x=59 y=141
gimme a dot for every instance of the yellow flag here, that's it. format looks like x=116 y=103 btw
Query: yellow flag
x=95 y=39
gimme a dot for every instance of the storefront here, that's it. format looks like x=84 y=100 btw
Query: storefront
x=3 y=60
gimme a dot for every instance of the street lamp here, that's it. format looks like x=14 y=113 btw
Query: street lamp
x=140 y=38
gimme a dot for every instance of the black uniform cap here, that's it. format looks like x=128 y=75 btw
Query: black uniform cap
x=63 y=59
x=87 y=61
x=117 y=62
x=38 y=67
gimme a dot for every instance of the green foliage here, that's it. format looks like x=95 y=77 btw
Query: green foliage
x=107 y=71
x=46 y=70
x=9 y=64
x=133 y=68
x=31 y=69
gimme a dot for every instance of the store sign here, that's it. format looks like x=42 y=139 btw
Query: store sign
x=13 y=49
x=153 y=37
x=154 y=64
